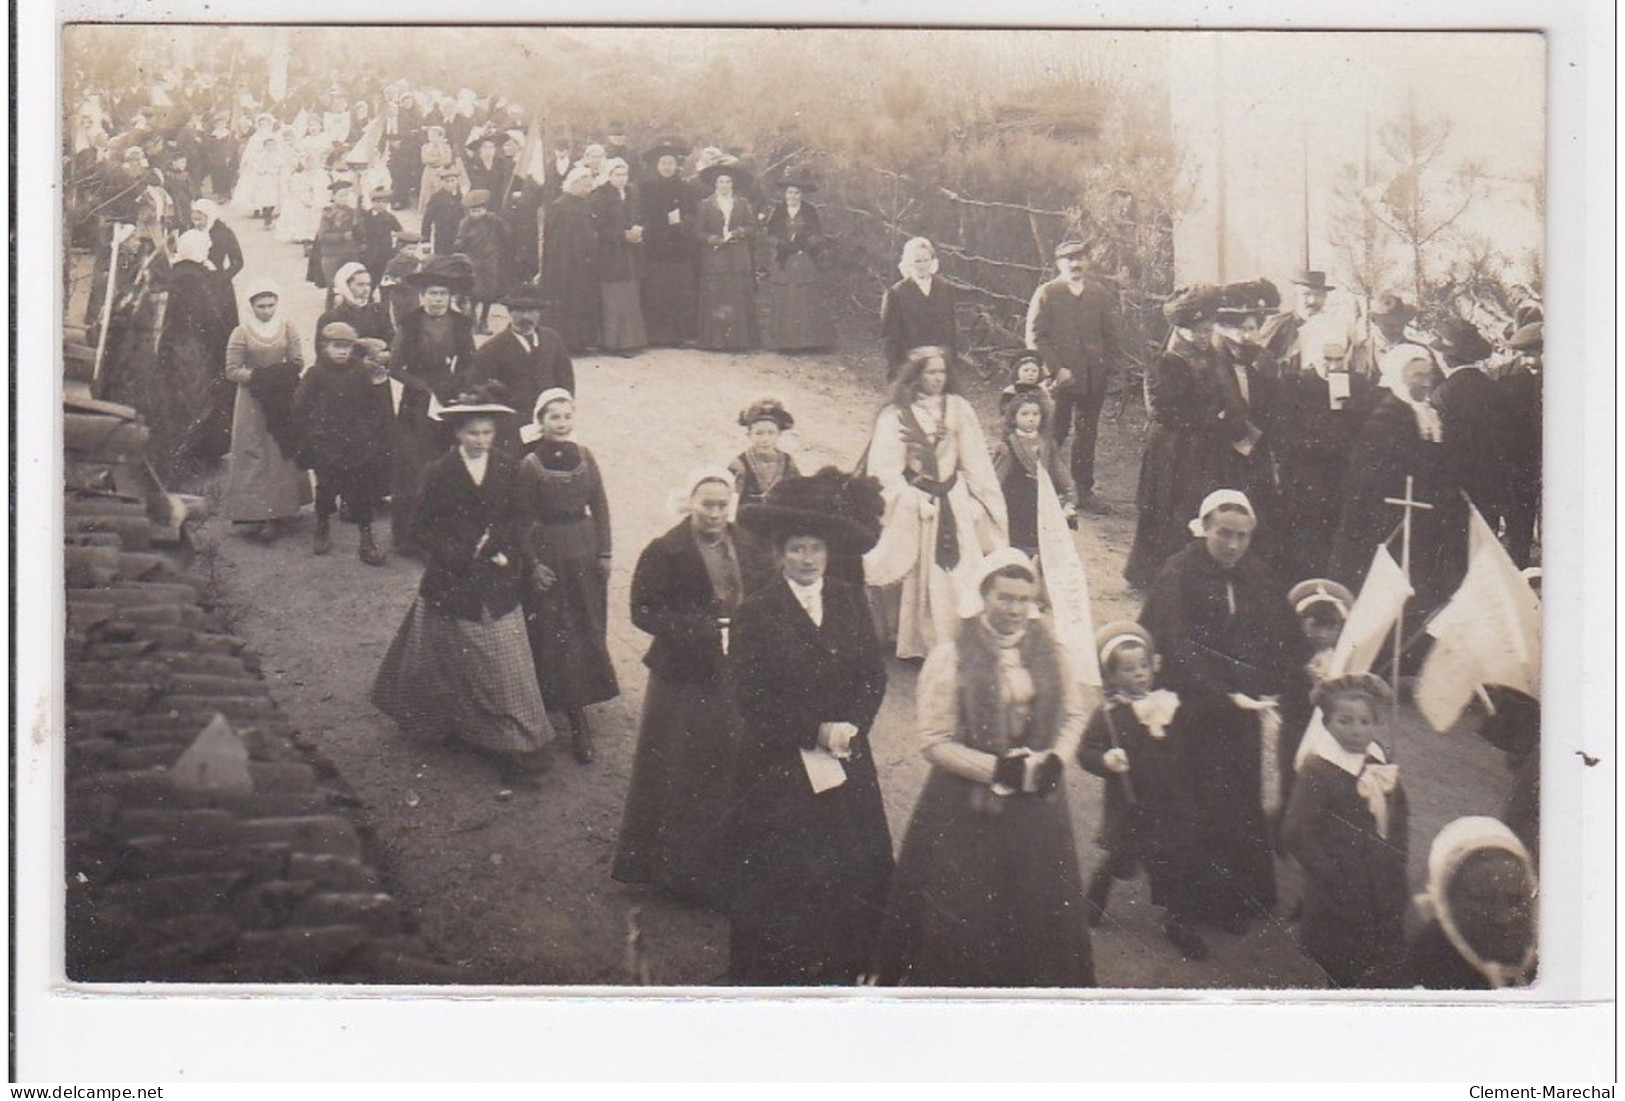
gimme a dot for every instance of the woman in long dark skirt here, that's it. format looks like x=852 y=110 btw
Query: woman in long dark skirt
x=570 y=264
x=987 y=890
x=798 y=317
x=726 y=226
x=1170 y=471
x=615 y=213
x=433 y=342
x=813 y=849
x=685 y=591
x=670 y=280
x=1227 y=640
x=567 y=535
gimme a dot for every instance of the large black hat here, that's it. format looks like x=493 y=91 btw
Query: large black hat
x=1314 y=280
x=767 y=409
x=1459 y=341
x=443 y=271
x=483 y=399
x=798 y=179
x=1528 y=338
x=1253 y=298
x=525 y=296
x=668 y=146
x=1191 y=306
x=741 y=176
x=842 y=509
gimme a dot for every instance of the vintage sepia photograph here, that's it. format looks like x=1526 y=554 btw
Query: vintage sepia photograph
x=591 y=544
x=726 y=507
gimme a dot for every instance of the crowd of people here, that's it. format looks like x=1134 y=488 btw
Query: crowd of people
x=1279 y=441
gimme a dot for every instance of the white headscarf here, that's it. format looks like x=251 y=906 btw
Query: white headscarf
x=611 y=165
x=1451 y=848
x=681 y=497
x=914 y=243
x=1215 y=501
x=341 y=283
x=193 y=245
x=210 y=212
x=264 y=330
x=1392 y=365
x=532 y=432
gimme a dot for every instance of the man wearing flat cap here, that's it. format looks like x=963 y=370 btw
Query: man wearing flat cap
x=1072 y=322
x=526 y=358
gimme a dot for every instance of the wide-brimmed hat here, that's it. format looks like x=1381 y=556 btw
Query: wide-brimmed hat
x=669 y=146
x=1191 y=306
x=767 y=409
x=526 y=296
x=478 y=139
x=1459 y=341
x=830 y=505
x=478 y=197
x=741 y=176
x=483 y=399
x=441 y=271
x=1314 y=280
x=1391 y=312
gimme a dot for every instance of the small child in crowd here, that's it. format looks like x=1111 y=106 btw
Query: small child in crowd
x=344 y=410
x=1479 y=909
x=1027 y=376
x=1130 y=743
x=1321 y=606
x=1348 y=825
x=1022 y=459
x=761 y=466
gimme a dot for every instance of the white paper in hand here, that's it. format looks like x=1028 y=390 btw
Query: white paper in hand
x=823 y=771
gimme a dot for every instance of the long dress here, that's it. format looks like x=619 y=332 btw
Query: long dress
x=259 y=180
x=1171 y=472
x=304 y=195
x=811 y=867
x=426 y=357
x=177 y=397
x=670 y=280
x=262 y=480
x=570 y=272
x=620 y=266
x=987 y=890
x=727 y=310
x=1221 y=632
x=674 y=834
x=567 y=530
x=460 y=665
x=935 y=563
x=798 y=317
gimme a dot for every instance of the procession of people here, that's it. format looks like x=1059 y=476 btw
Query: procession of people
x=1284 y=450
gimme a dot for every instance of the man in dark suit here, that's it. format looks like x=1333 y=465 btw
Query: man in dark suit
x=526 y=358
x=918 y=310
x=1072 y=323
x=1475 y=447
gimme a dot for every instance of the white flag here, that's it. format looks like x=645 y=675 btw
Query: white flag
x=1489 y=633
x=1065 y=583
x=1368 y=626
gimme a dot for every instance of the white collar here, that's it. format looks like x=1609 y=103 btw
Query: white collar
x=1351 y=763
x=806 y=593
x=923 y=284
x=475 y=467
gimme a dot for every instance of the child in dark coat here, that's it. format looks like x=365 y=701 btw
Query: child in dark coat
x=1321 y=606
x=1129 y=743
x=344 y=410
x=1348 y=826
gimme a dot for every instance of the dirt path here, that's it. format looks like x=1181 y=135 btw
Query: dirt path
x=516 y=889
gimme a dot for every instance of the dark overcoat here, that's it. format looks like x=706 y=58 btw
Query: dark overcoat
x=613 y=215
x=570 y=271
x=1076 y=332
x=909 y=319
x=812 y=869
x=453 y=515
x=1355 y=894
x=672 y=600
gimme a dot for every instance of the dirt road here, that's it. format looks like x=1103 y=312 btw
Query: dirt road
x=516 y=888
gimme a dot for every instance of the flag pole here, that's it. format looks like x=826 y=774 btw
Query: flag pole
x=118 y=238
x=1408 y=503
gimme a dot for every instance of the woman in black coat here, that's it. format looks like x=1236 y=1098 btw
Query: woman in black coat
x=670 y=281
x=813 y=854
x=1222 y=624
x=460 y=666
x=570 y=264
x=686 y=588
